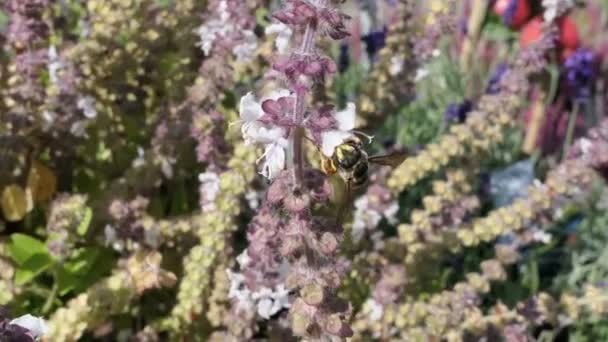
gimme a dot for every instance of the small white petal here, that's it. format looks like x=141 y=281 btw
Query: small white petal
x=331 y=139
x=87 y=105
x=243 y=259
x=283 y=37
x=244 y=51
x=265 y=308
x=396 y=65
x=391 y=213
x=374 y=310
x=36 y=325
x=274 y=160
x=277 y=94
x=420 y=74
x=79 y=128
x=346 y=117
x=249 y=109
x=255 y=132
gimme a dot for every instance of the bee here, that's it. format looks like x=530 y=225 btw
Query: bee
x=351 y=162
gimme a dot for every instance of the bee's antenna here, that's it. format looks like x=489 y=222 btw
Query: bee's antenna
x=370 y=138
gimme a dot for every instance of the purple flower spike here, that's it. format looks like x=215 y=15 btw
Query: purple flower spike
x=494 y=82
x=579 y=74
x=458 y=111
x=509 y=14
x=375 y=41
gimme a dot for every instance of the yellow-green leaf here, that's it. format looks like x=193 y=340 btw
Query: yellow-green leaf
x=14 y=203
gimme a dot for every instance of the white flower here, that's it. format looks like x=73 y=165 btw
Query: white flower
x=139 y=161
x=48 y=117
x=364 y=218
x=152 y=236
x=586 y=146
x=54 y=64
x=79 y=128
x=87 y=105
x=555 y=8
x=270 y=302
x=421 y=73
x=239 y=292
x=253 y=199
x=250 y=110
x=283 y=37
x=245 y=50
x=210 y=187
x=542 y=237
x=266 y=301
x=209 y=31
x=243 y=259
x=373 y=309
x=36 y=325
x=390 y=213
x=254 y=131
x=112 y=238
x=346 y=123
x=396 y=65
x=274 y=158
x=223 y=25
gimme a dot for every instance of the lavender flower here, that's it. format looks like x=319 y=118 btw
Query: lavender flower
x=494 y=81
x=26 y=25
x=344 y=58
x=580 y=74
x=457 y=112
x=509 y=14
x=374 y=41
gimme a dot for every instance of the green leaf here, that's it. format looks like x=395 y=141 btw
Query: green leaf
x=35 y=265
x=83 y=227
x=164 y=3
x=179 y=198
x=86 y=266
x=22 y=247
x=3 y=20
x=496 y=30
x=261 y=15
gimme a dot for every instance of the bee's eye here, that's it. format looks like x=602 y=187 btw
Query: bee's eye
x=347 y=156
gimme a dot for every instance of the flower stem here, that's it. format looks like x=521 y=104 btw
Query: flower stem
x=299 y=108
x=570 y=132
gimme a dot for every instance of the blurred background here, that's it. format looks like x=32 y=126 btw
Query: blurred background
x=130 y=203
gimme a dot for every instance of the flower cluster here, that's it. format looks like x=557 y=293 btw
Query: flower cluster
x=370 y=209
x=228 y=27
x=212 y=229
x=395 y=68
x=579 y=74
x=128 y=229
x=448 y=208
x=68 y=214
x=307 y=242
x=7 y=288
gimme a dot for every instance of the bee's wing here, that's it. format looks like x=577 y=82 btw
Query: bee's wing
x=392 y=160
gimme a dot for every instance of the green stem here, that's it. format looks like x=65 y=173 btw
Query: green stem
x=48 y=305
x=570 y=132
